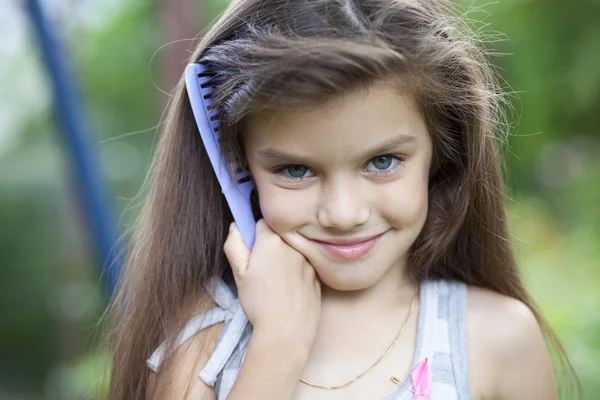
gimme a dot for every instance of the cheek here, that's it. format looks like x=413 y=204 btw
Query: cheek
x=283 y=210
x=405 y=203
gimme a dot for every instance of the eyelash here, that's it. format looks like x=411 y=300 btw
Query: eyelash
x=400 y=161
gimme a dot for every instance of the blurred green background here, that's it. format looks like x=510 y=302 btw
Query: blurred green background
x=50 y=291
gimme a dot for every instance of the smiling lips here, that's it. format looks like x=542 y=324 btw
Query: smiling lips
x=350 y=249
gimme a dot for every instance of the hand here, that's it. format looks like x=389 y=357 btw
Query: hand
x=278 y=288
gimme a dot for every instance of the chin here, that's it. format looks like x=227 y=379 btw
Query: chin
x=347 y=278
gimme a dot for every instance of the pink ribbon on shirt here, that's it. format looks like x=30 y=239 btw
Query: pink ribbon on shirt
x=421 y=377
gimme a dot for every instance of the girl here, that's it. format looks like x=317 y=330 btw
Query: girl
x=382 y=266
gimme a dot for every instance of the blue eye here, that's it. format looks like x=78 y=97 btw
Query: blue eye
x=297 y=171
x=294 y=172
x=383 y=163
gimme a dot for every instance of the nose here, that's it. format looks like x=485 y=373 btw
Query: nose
x=343 y=206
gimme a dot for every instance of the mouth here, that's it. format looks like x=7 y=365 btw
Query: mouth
x=350 y=249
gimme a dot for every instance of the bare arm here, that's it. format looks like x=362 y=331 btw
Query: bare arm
x=525 y=367
x=277 y=286
x=271 y=370
x=508 y=357
x=187 y=362
x=276 y=358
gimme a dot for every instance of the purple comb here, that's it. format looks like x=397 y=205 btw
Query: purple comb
x=237 y=194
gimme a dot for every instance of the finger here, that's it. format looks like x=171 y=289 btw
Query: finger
x=261 y=226
x=264 y=231
x=236 y=251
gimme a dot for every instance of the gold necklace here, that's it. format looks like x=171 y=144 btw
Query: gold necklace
x=376 y=362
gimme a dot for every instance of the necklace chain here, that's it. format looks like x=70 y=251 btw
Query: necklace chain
x=374 y=364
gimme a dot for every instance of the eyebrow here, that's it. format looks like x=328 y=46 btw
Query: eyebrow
x=271 y=155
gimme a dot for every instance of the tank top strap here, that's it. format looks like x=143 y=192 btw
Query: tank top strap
x=441 y=338
x=457 y=335
x=228 y=310
x=425 y=346
x=222 y=293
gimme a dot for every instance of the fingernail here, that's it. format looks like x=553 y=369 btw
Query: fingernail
x=231 y=226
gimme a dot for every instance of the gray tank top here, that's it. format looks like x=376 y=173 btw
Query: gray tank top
x=441 y=337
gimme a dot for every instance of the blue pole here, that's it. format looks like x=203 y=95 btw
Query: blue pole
x=80 y=146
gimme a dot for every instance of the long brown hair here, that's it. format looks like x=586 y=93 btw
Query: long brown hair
x=285 y=53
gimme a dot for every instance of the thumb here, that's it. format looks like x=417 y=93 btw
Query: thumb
x=236 y=251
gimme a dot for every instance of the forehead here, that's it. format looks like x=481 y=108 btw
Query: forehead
x=341 y=126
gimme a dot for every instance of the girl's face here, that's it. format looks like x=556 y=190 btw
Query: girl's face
x=350 y=169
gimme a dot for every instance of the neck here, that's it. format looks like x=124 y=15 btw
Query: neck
x=375 y=312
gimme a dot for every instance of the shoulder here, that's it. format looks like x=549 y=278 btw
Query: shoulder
x=178 y=378
x=508 y=356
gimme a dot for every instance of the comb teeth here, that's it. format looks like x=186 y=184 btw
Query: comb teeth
x=242 y=175
x=204 y=78
x=200 y=86
x=206 y=91
x=245 y=179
